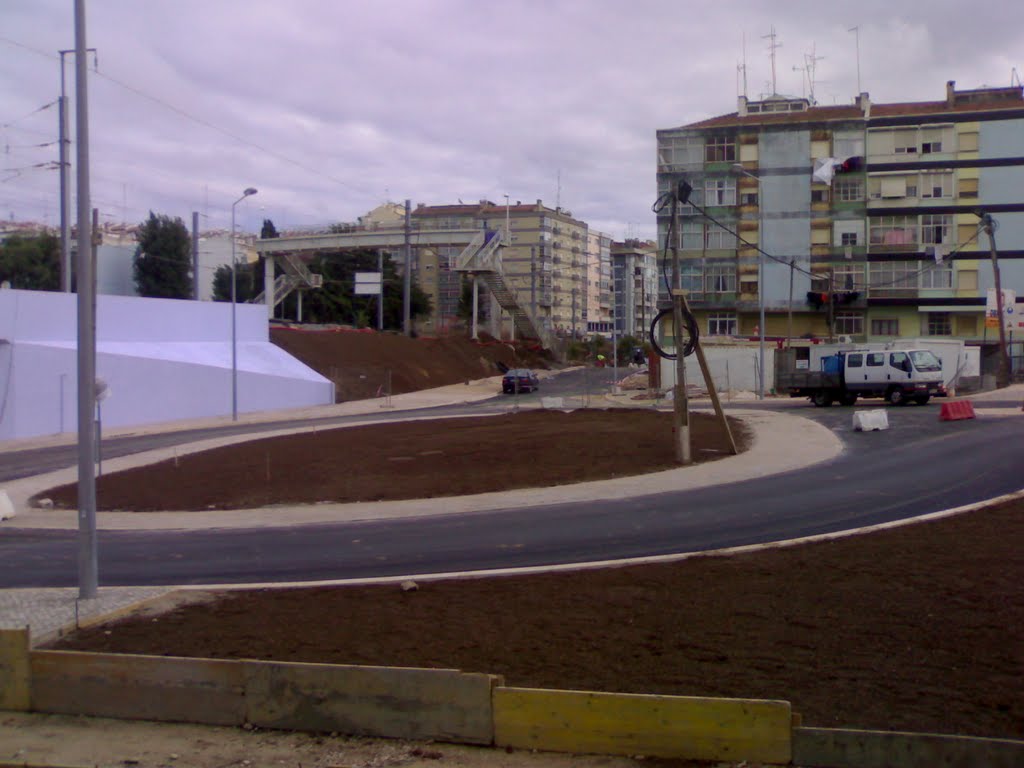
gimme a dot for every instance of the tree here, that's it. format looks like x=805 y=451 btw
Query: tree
x=163 y=258
x=336 y=302
x=465 y=309
x=31 y=263
x=268 y=231
x=249 y=283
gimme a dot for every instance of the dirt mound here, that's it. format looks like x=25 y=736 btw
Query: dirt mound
x=365 y=363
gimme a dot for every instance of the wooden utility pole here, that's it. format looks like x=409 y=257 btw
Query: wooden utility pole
x=680 y=405
x=1003 y=372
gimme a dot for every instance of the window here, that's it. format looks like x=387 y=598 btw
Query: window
x=904 y=142
x=848 y=277
x=931 y=147
x=938 y=276
x=936 y=229
x=938 y=324
x=720 y=279
x=847 y=190
x=819 y=282
x=722 y=324
x=899 y=361
x=849 y=323
x=892 y=276
x=720 y=149
x=968 y=188
x=893 y=230
x=720 y=191
x=848 y=146
x=691 y=277
x=855 y=360
x=691 y=235
x=717 y=238
x=819 y=195
x=680 y=150
x=875 y=359
x=748 y=198
x=967 y=280
x=884 y=327
x=848 y=238
x=935 y=185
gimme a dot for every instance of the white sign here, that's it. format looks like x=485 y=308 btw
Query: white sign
x=1013 y=316
x=368 y=283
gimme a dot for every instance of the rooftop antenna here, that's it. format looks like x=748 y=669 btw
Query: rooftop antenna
x=558 y=191
x=742 y=68
x=772 y=46
x=1014 y=78
x=856 y=32
x=810 y=62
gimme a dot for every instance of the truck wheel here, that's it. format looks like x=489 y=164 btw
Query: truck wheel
x=821 y=399
x=922 y=399
x=895 y=396
x=848 y=399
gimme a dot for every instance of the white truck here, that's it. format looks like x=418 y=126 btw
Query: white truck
x=898 y=375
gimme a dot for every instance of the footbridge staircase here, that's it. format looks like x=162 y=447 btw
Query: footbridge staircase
x=482 y=258
x=296 y=275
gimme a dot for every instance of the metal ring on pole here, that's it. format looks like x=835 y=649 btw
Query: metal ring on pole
x=690 y=323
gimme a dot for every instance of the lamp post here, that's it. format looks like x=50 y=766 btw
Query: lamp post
x=234 y=328
x=738 y=168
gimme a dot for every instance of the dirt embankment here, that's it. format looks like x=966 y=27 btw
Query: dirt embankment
x=364 y=364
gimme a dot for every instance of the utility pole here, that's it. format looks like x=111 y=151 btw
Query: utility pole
x=680 y=406
x=407 y=277
x=64 y=139
x=533 y=285
x=88 y=570
x=380 y=296
x=1003 y=372
x=195 y=255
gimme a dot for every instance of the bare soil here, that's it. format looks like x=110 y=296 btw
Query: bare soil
x=365 y=363
x=918 y=628
x=411 y=460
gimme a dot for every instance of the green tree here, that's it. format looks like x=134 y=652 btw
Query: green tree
x=336 y=302
x=31 y=263
x=249 y=283
x=163 y=258
x=268 y=231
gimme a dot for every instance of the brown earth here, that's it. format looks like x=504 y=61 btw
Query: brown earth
x=411 y=460
x=919 y=628
x=366 y=363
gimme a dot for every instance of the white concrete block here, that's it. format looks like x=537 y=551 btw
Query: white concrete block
x=871 y=421
x=6 y=508
x=552 y=402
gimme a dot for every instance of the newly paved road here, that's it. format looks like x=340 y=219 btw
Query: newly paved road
x=920 y=465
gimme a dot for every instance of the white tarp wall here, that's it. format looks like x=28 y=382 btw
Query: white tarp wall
x=733 y=369
x=162 y=359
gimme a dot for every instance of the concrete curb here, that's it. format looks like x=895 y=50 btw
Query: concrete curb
x=457 y=707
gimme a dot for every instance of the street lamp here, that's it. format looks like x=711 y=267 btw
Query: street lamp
x=738 y=168
x=234 y=333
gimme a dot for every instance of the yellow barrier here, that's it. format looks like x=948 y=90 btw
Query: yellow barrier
x=15 y=672
x=638 y=724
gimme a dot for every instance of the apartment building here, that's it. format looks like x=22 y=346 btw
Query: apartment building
x=599 y=308
x=635 y=281
x=545 y=260
x=858 y=220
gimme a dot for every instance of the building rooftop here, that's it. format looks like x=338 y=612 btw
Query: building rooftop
x=780 y=110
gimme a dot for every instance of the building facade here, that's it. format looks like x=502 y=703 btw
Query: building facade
x=635 y=281
x=545 y=260
x=858 y=220
x=599 y=307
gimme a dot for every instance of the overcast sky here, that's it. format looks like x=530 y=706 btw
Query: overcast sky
x=331 y=107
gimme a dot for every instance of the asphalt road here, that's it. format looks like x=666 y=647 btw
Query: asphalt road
x=920 y=465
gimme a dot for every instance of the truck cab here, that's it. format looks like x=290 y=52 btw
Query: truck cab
x=898 y=375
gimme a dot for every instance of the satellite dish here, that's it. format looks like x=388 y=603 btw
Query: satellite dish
x=102 y=390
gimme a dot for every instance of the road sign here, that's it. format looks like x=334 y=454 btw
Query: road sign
x=368 y=283
x=1013 y=316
